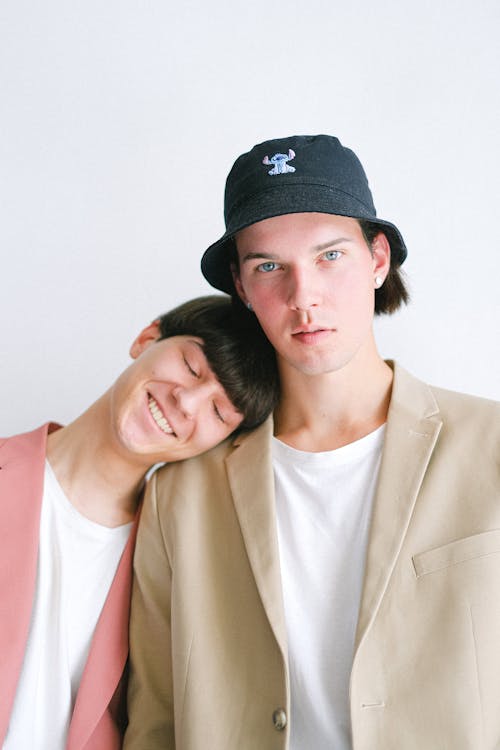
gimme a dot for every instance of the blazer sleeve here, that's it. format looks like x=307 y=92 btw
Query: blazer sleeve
x=150 y=692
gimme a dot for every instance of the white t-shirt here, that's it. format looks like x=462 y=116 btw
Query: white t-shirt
x=77 y=561
x=323 y=505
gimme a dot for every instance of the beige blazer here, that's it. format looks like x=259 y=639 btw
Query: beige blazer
x=208 y=636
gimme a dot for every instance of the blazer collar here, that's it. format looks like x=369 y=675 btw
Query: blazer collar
x=413 y=426
x=251 y=480
x=22 y=465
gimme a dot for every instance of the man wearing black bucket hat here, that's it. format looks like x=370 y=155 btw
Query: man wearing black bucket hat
x=329 y=580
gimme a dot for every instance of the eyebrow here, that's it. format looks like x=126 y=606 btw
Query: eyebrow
x=315 y=249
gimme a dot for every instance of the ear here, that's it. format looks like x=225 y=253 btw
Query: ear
x=381 y=255
x=237 y=284
x=146 y=337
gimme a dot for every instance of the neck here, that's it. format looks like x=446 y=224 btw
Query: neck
x=100 y=482
x=324 y=412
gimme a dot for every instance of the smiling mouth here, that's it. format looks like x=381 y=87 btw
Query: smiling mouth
x=159 y=416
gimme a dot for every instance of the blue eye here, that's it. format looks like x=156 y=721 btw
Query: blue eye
x=268 y=266
x=332 y=254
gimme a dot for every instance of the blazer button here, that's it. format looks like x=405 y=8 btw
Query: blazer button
x=279 y=719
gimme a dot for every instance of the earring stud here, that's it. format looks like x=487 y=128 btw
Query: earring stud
x=249 y=306
x=378 y=281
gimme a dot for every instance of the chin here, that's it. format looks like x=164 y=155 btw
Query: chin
x=319 y=365
x=132 y=444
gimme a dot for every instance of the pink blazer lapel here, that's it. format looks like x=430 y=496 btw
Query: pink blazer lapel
x=22 y=462
x=108 y=655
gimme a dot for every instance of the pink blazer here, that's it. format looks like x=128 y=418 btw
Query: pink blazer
x=99 y=707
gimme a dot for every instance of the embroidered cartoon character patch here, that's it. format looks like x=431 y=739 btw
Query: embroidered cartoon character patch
x=280 y=162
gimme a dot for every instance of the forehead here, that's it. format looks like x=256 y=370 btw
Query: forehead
x=311 y=227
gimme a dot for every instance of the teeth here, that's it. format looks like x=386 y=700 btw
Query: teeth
x=159 y=417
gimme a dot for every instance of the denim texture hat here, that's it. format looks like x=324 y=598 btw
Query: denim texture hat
x=302 y=173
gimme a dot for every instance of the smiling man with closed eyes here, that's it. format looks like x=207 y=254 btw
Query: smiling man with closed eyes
x=70 y=499
x=329 y=580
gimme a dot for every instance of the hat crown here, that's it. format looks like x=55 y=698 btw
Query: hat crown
x=316 y=160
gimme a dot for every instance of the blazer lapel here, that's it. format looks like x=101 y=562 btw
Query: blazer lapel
x=413 y=427
x=108 y=653
x=22 y=465
x=251 y=480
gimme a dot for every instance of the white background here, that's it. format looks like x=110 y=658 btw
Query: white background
x=119 y=121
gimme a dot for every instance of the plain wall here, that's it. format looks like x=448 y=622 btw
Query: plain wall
x=120 y=120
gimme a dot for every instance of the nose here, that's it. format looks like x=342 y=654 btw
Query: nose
x=191 y=399
x=302 y=292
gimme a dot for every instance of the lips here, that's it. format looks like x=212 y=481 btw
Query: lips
x=311 y=334
x=310 y=328
x=159 y=416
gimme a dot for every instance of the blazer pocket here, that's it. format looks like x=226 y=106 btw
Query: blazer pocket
x=479 y=545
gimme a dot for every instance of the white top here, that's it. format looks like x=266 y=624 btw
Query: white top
x=323 y=505
x=77 y=561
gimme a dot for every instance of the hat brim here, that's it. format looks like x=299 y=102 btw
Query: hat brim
x=215 y=263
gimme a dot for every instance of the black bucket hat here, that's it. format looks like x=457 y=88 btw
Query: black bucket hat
x=303 y=173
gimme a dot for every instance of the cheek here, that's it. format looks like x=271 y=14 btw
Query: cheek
x=357 y=291
x=271 y=316
x=266 y=300
x=211 y=430
x=259 y=285
x=207 y=435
